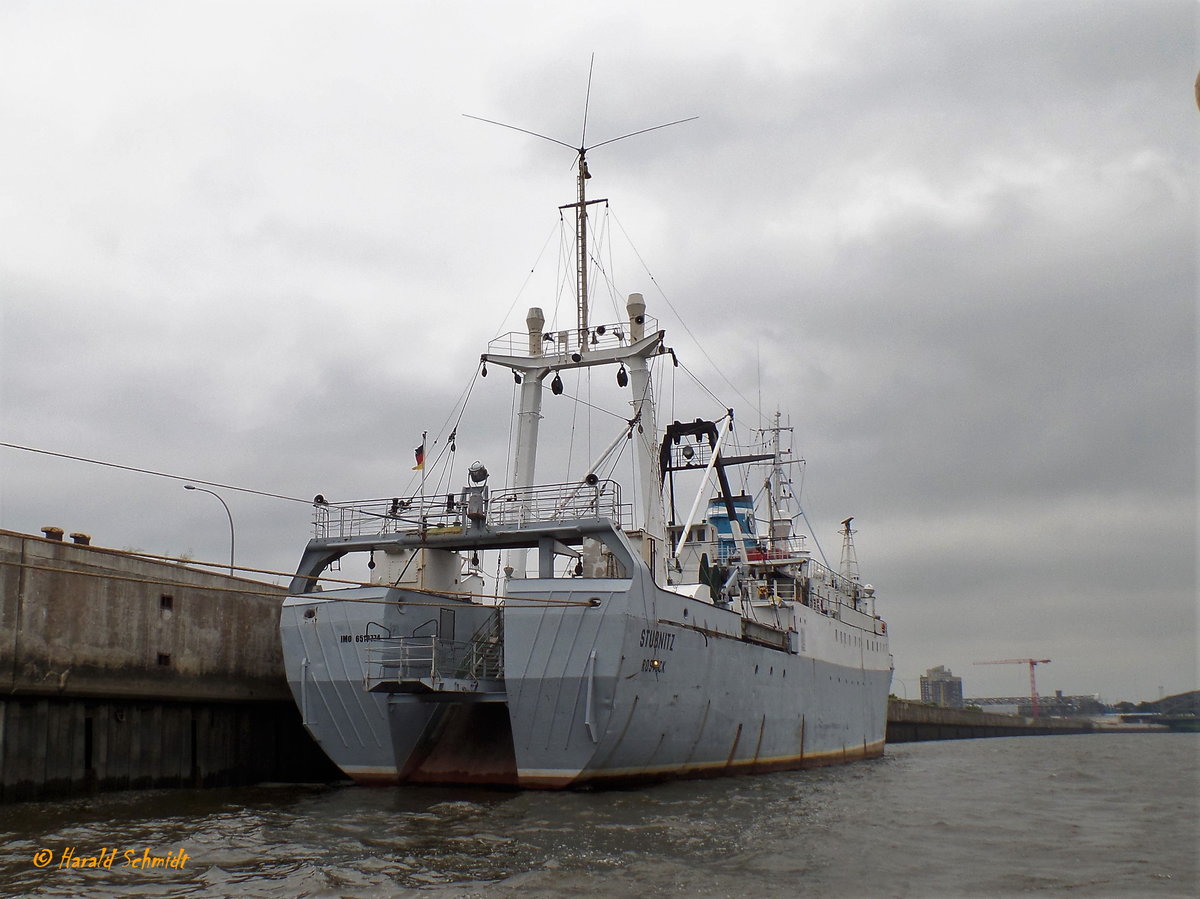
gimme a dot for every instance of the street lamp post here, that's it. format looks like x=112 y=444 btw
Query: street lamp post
x=227 y=512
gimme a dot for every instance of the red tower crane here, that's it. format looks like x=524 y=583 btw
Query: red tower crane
x=1032 y=663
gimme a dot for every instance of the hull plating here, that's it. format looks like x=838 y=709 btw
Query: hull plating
x=649 y=685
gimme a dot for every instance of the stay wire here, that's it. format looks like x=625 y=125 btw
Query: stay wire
x=157 y=474
x=512 y=420
x=556 y=228
x=278 y=592
x=681 y=320
x=703 y=386
x=460 y=406
x=576 y=398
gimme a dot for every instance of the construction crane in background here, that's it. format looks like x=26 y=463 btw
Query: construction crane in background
x=1032 y=663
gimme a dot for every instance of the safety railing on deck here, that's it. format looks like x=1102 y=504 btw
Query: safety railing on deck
x=818 y=587
x=559 y=502
x=565 y=343
x=506 y=508
x=780 y=551
x=385 y=516
x=429 y=659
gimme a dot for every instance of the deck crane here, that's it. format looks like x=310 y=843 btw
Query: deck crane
x=1032 y=663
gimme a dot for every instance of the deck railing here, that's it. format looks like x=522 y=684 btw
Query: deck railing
x=429 y=659
x=559 y=502
x=565 y=343
x=506 y=508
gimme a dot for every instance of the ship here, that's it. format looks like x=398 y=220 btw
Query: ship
x=597 y=630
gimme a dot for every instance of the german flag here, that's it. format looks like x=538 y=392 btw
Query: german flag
x=420 y=451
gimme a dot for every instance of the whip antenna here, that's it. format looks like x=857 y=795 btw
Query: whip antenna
x=587 y=101
x=581 y=204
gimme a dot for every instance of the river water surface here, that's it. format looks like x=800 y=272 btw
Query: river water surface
x=1088 y=815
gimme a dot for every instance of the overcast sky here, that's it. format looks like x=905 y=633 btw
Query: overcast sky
x=257 y=244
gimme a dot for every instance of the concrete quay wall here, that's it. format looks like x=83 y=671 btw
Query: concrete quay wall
x=910 y=722
x=86 y=621
x=123 y=672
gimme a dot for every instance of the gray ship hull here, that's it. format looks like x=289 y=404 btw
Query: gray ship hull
x=603 y=681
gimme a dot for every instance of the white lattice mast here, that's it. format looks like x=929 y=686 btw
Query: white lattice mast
x=849 y=567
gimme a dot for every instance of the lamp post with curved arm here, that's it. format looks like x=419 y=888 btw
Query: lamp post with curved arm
x=227 y=512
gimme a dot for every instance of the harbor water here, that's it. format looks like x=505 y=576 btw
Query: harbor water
x=1088 y=815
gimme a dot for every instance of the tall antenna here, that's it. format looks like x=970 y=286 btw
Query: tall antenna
x=587 y=102
x=582 y=202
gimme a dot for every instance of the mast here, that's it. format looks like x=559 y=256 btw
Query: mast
x=551 y=353
x=849 y=566
x=781 y=524
x=529 y=419
x=581 y=288
x=536 y=355
x=645 y=436
x=530 y=414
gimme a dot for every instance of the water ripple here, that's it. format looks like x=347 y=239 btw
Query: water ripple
x=1097 y=815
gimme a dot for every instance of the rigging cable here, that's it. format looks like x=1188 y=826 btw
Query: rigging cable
x=796 y=495
x=574 y=423
x=813 y=531
x=583 y=402
x=680 y=319
x=461 y=406
x=159 y=474
x=512 y=418
x=279 y=592
x=528 y=277
x=614 y=295
x=702 y=386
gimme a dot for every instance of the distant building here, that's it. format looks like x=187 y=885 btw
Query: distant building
x=1059 y=706
x=941 y=687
